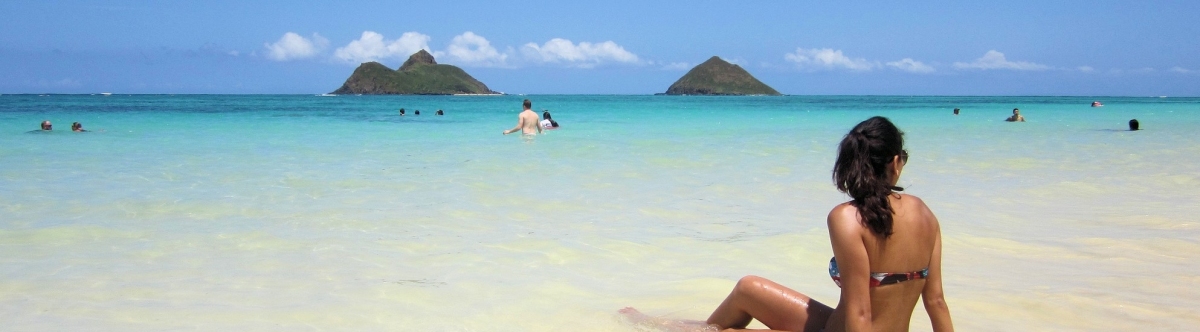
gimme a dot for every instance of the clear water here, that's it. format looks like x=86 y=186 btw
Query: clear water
x=334 y=213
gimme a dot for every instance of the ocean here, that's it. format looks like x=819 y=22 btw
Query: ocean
x=302 y=212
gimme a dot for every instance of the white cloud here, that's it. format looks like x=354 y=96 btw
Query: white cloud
x=373 y=47
x=294 y=46
x=584 y=54
x=996 y=60
x=1086 y=69
x=234 y=53
x=826 y=58
x=471 y=49
x=1182 y=70
x=677 y=66
x=910 y=65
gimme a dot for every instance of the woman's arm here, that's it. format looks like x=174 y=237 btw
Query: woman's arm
x=935 y=302
x=845 y=233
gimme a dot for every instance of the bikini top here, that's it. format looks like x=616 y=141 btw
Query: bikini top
x=878 y=278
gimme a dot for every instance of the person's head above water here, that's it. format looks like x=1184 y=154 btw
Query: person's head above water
x=528 y=104
x=417 y=112
x=1133 y=124
x=870 y=159
x=46 y=125
x=401 y=111
x=76 y=126
x=546 y=114
x=955 y=111
x=1017 y=111
x=439 y=112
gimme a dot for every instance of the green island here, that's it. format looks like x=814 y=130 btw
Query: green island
x=718 y=77
x=419 y=75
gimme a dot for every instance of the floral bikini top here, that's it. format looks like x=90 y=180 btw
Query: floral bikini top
x=878 y=278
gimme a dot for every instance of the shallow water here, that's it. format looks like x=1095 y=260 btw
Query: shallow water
x=307 y=212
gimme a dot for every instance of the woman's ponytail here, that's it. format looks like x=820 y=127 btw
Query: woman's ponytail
x=861 y=170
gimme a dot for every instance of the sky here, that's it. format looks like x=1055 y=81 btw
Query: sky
x=932 y=47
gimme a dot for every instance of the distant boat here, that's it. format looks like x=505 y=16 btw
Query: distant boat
x=106 y=93
x=326 y=95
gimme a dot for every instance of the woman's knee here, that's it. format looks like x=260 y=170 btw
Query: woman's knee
x=750 y=283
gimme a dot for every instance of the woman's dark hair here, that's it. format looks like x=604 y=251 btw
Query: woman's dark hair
x=546 y=114
x=1133 y=124
x=861 y=170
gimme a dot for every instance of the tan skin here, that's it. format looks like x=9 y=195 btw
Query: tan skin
x=915 y=243
x=1016 y=117
x=527 y=123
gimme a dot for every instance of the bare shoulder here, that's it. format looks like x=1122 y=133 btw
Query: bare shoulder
x=914 y=204
x=842 y=216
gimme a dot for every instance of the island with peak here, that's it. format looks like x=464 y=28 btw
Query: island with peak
x=420 y=75
x=718 y=77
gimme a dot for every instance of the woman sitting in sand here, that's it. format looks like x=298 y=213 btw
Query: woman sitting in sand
x=879 y=230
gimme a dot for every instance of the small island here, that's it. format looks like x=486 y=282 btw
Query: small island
x=718 y=77
x=420 y=75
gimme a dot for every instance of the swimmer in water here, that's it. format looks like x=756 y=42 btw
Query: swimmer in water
x=439 y=112
x=1016 y=117
x=401 y=112
x=955 y=111
x=46 y=126
x=77 y=127
x=547 y=122
x=527 y=121
x=1134 y=125
x=417 y=112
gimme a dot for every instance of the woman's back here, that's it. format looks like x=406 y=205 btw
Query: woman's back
x=908 y=249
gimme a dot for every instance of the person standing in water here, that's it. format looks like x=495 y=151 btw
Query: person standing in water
x=47 y=126
x=527 y=121
x=547 y=122
x=1016 y=117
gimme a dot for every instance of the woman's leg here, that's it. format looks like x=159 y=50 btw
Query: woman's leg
x=776 y=306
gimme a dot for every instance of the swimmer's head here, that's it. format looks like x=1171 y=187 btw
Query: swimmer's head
x=417 y=112
x=955 y=111
x=401 y=111
x=76 y=126
x=1133 y=124
x=546 y=114
x=439 y=112
x=46 y=125
x=528 y=104
x=1016 y=111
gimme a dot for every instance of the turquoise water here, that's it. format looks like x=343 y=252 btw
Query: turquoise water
x=309 y=212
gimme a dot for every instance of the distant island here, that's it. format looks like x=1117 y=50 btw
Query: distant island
x=718 y=77
x=420 y=75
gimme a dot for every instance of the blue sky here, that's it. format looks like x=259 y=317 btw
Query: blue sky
x=1127 y=48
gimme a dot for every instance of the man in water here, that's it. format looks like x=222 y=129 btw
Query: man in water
x=527 y=121
x=46 y=126
x=1016 y=117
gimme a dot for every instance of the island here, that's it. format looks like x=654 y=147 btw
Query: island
x=419 y=75
x=718 y=77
